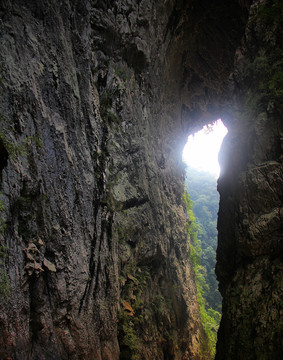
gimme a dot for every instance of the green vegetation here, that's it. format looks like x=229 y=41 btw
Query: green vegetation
x=271 y=13
x=193 y=230
x=205 y=198
x=203 y=240
x=132 y=311
x=265 y=71
x=21 y=149
x=106 y=107
x=131 y=342
x=122 y=72
x=138 y=315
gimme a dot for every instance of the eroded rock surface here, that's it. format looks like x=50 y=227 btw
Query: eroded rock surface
x=249 y=258
x=97 y=100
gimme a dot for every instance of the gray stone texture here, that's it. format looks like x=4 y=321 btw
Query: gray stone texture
x=97 y=99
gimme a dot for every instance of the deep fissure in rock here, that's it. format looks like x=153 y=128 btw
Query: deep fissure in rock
x=95 y=215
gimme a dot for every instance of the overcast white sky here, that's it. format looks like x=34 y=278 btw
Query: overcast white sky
x=202 y=148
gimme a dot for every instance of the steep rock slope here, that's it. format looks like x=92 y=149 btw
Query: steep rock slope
x=91 y=181
x=249 y=257
x=97 y=99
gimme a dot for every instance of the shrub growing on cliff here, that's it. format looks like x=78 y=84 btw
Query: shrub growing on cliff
x=131 y=314
x=193 y=230
x=15 y=150
x=265 y=71
x=210 y=318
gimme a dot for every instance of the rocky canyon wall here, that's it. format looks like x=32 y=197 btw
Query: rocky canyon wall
x=249 y=256
x=97 y=98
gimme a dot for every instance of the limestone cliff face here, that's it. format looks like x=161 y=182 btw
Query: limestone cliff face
x=91 y=181
x=97 y=100
x=249 y=258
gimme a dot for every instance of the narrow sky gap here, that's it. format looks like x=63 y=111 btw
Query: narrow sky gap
x=202 y=148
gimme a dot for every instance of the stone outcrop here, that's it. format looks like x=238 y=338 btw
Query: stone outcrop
x=97 y=99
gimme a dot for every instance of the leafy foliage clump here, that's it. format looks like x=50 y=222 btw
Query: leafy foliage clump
x=265 y=71
x=210 y=317
x=193 y=230
x=15 y=150
x=202 y=187
x=132 y=311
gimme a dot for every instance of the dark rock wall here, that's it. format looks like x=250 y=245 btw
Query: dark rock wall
x=91 y=183
x=97 y=98
x=249 y=256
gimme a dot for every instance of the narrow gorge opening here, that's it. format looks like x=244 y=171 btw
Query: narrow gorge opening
x=200 y=154
x=202 y=148
x=96 y=99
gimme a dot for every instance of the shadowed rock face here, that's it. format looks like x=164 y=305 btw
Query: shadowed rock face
x=97 y=101
x=249 y=256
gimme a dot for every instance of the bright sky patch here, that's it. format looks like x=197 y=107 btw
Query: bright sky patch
x=202 y=148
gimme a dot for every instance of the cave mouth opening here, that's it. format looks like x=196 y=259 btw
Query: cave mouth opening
x=202 y=148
